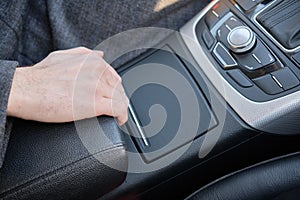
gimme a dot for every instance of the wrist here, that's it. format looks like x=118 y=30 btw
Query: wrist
x=16 y=98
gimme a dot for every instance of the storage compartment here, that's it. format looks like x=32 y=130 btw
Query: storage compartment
x=168 y=109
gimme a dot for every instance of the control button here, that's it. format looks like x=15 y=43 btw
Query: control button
x=241 y=39
x=247 y=4
x=257 y=58
x=286 y=78
x=216 y=13
x=224 y=57
x=296 y=57
x=207 y=37
x=224 y=30
x=211 y=19
x=240 y=78
x=221 y=9
x=268 y=84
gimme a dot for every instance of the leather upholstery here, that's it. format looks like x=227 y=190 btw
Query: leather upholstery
x=49 y=161
x=275 y=179
x=282 y=21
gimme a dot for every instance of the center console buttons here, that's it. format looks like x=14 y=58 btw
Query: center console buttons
x=241 y=39
x=224 y=57
x=286 y=78
x=240 y=78
x=255 y=59
x=268 y=84
x=248 y=4
x=215 y=14
x=225 y=28
x=207 y=37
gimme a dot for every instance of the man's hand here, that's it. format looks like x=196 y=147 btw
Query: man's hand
x=66 y=86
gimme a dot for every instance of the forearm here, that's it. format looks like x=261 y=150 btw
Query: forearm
x=13 y=101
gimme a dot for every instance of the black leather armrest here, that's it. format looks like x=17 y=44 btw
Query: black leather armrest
x=50 y=161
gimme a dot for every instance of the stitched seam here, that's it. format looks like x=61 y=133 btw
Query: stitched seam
x=281 y=19
x=281 y=10
x=36 y=182
x=264 y=16
x=14 y=187
x=276 y=8
x=61 y=170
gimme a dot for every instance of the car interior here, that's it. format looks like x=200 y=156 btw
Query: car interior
x=213 y=114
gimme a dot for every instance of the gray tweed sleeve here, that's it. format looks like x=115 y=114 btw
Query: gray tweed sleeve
x=7 y=69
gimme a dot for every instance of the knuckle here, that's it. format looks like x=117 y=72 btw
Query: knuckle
x=118 y=78
x=53 y=53
x=82 y=48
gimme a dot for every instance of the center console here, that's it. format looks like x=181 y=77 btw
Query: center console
x=241 y=59
x=218 y=96
x=240 y=47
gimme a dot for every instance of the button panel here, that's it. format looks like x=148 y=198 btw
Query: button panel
x=296 y=57
x=226 y=27
x=215 y=14
x=208 y=38
x=243 y=56
x=255 y=59
x=247 y=4
x=268 y=84
x=241 y=39
x=224 y=57
x=240 y=78
x=286 y=78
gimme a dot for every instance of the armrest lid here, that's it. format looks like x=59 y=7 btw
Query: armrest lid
x=51 y=161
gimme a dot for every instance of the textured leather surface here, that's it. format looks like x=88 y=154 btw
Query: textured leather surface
x=274 y=179
x=49 y=161
x=282 y=21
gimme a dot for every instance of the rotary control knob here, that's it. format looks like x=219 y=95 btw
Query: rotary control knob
x=241 y=39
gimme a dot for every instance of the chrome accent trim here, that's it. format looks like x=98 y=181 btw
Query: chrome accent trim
x=138 y=125
x=242 y=47
x=254 y=18
x=215 y=13
x=228 y=27
x=277 y=81
x=256 y=114
x=256 y=58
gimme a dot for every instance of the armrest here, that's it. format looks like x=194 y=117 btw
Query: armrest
x=50 y=161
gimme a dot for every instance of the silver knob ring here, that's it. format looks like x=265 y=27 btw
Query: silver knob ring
x=243 y=46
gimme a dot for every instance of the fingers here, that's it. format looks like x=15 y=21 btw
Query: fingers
x=110 y=97
x=100 y=53
x=74 y=50
x=107 y=91
x=110 y=92
x=110 y=77
x=113 y=108
x=112 y=102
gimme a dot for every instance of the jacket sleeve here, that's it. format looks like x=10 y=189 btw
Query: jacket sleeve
x=7 y=69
